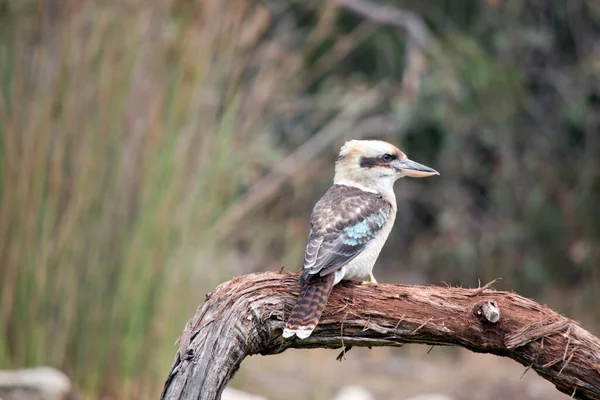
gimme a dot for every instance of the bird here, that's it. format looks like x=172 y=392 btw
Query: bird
x=349 y=226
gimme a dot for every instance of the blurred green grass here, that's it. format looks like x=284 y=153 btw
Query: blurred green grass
x=120 y=147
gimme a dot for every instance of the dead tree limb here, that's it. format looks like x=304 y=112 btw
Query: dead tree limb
x=245 y=316
x=408 y=20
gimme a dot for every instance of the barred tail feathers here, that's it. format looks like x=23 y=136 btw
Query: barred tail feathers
x=309 y=306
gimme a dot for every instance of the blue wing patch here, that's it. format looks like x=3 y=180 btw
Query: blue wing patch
x=366 y=229
x=344 y=221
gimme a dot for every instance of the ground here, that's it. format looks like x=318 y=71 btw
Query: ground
x=392 y=374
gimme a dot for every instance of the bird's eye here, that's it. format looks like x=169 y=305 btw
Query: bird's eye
x=387 y=157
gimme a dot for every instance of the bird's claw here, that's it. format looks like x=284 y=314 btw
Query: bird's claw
x=371 y=281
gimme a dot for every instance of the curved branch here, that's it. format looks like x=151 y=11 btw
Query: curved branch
x=245 y=316
x=412 y=22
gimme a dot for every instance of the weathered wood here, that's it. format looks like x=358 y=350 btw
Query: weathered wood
x=245 y=316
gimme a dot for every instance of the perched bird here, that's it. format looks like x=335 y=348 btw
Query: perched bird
x=349 y=225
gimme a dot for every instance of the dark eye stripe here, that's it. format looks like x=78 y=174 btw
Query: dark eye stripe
x=370 y=162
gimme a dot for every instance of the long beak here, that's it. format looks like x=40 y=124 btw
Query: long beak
x=414 y=169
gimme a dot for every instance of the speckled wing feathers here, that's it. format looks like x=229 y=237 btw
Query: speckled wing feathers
x=343 y=222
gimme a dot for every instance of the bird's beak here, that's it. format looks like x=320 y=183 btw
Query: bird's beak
x=414 y=169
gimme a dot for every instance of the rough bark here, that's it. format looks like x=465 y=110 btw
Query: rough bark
x=245 y=316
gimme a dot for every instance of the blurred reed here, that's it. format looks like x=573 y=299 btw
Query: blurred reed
x=124 y=134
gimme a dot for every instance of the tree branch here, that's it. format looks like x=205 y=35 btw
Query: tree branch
x=419 y=37
x=412 y=22
x=245 y=316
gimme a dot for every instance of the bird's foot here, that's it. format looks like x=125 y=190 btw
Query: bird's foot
x=371 y=281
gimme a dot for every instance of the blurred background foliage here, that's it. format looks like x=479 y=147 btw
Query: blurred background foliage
x=152 y=149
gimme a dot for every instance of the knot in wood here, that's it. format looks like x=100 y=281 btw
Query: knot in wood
x=487 y=311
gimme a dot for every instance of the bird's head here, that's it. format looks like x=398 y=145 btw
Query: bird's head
x=375 y=165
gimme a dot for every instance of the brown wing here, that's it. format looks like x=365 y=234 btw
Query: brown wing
x=343 y=222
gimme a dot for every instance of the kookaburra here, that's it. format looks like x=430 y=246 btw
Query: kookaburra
x=349 y=225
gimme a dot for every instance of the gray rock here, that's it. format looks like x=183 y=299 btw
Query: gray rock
x=42 y=383
x=353 y=393
x=234 y=394
x=431 y=396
